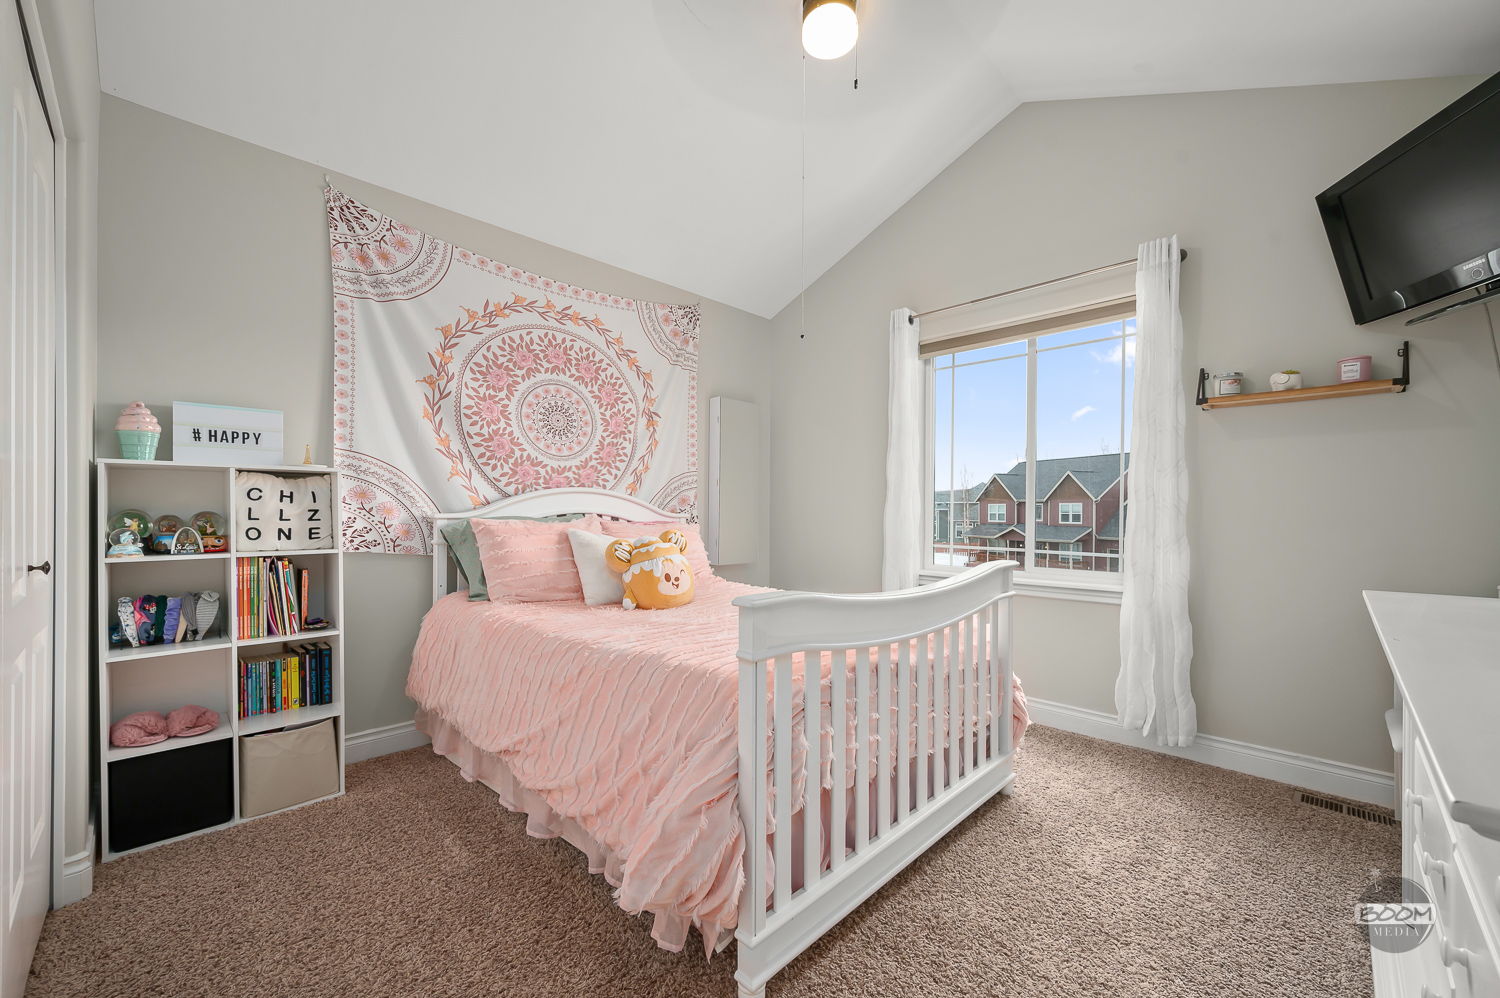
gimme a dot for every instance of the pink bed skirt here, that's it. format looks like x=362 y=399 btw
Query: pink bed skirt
x=670 y=928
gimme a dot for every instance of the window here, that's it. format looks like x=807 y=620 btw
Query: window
x=1033 y=411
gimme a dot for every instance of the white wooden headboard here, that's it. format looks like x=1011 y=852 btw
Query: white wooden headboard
x=544 y=503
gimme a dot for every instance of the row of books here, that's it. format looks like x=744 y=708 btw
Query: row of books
x=271 y=597
x=302 y=676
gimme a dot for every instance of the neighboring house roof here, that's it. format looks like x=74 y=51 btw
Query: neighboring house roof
x=1044 y=532
x=1095 y=473
x=1014 y=484
x=970 y=494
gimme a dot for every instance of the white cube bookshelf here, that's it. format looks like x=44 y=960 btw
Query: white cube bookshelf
x=205 y=672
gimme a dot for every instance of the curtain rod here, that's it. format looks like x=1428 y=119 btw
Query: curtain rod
x=1032 y=287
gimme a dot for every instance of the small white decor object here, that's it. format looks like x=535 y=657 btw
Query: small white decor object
x=225 y=434
x=273 y=513
x=1284 y=380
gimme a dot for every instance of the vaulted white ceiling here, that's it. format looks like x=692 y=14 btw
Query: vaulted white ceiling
x=667 y=136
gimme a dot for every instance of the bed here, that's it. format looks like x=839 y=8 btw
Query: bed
x=637 y=735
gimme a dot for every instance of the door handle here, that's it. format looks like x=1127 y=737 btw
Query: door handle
x=45 y=568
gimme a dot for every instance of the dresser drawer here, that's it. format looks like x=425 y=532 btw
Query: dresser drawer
x=1465 y=947
x=1481 y=861
x=1432 y=842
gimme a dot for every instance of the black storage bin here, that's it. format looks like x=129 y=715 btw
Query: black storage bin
x=157 y=796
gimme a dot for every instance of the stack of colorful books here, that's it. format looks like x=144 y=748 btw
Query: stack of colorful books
x=271 y=597
x=301 y=676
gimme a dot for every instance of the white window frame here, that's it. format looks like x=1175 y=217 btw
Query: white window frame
x=1060 y=583
x=997 y=513
x=1063 y=513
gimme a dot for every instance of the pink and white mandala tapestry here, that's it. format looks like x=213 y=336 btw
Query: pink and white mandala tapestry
x=459 y=380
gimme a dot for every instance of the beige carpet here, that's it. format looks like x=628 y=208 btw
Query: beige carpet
x=1113 y=871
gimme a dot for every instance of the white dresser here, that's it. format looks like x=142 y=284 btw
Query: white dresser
x=1445 y=654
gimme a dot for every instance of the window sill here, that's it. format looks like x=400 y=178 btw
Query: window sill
x=1044 y=587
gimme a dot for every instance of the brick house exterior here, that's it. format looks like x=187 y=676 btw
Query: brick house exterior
x=1078 y=520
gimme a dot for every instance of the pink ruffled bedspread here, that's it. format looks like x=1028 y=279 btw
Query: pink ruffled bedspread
x=616 y=729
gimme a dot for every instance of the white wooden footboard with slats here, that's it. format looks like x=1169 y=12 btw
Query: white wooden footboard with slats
x=935 y=662
x=938 y=659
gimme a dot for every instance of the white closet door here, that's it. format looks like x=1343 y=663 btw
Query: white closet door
x=27 y=356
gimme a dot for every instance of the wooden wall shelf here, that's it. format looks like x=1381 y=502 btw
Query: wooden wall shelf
x=1348 y=389
x=1386 y=386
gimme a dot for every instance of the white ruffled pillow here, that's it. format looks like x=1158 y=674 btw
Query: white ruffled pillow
x=601 y=586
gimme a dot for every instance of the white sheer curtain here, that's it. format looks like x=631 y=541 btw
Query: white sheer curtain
x=1156 y=637
x=904 y=517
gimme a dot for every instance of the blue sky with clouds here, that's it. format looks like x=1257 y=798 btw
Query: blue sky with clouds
x=1078 y=401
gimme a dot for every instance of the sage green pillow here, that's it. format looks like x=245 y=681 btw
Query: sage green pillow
x=464 y=549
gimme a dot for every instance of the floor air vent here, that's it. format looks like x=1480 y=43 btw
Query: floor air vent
x=1364 y=813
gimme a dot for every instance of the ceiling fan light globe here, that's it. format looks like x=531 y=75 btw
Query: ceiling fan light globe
x=829 y=29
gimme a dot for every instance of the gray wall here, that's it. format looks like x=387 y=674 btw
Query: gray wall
x=214 y=286
x=1295 y=508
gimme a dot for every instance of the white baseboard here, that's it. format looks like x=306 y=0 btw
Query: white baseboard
x=368 y=744
x=1324 y=775
x=77 y=879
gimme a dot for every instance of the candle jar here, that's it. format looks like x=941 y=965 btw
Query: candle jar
x=1229 y=383
x=1354 y=369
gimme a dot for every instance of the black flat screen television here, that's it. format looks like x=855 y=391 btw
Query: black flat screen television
x=1421 y=220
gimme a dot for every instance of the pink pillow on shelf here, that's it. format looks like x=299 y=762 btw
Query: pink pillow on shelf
x=531 y=561
x=184 y=722
x=145 y=727
x=697 y=554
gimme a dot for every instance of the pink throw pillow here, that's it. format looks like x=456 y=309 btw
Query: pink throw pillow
x=697 y=554
x=185 y=722
x=529 y=560
x=144 y=727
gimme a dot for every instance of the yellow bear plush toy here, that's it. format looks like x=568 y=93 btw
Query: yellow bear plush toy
x=654 y=570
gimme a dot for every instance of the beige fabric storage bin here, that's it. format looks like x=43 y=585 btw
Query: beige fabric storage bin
x=282 y=768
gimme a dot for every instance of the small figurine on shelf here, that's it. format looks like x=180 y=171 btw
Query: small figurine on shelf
x=187 y=541
x=135 y=520
x=307 y=454
x=164 y=532
x=125 y=543
x=1283 y=380
x=213 y=531
x=139 y=432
